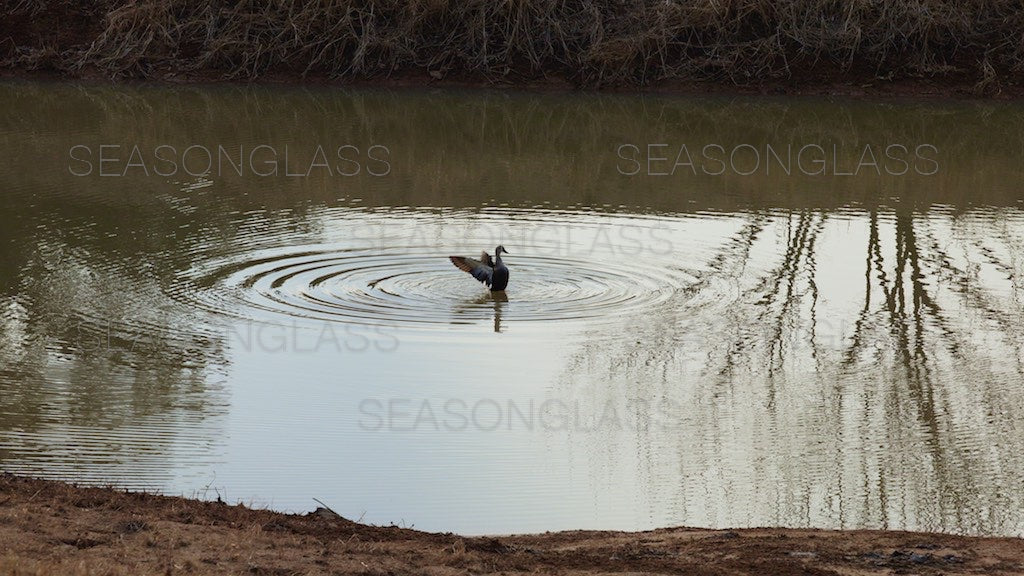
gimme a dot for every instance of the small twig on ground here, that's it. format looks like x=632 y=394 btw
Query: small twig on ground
x=326 y=507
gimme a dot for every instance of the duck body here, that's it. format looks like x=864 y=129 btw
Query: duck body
x=499 y=275
x=492 y=272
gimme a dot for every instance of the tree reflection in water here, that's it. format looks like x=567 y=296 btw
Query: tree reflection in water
x=777 y=393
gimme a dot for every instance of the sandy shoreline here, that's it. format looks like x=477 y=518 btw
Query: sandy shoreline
x=49 y=527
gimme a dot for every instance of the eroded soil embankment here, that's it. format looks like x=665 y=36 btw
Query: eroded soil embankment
x=54 y=528
x=945 y=47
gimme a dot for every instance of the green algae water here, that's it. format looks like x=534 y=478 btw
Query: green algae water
x=722 y=312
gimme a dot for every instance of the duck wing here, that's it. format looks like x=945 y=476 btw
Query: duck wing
x=485 y=258
x=480 y=270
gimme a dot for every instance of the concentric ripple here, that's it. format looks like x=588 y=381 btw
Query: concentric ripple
x=418 y=287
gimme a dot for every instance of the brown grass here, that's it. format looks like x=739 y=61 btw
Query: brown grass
x=588 y=42
x=53 y=528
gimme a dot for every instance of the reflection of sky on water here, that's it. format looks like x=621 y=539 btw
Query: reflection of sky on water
x=731 y=352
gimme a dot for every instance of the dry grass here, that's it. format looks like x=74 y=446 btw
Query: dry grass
x=589 y=42
x=53 y=528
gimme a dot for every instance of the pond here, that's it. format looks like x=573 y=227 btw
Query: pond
x=722 y=312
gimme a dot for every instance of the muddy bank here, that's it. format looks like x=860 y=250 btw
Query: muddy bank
x=944 y=47
x=54 y=528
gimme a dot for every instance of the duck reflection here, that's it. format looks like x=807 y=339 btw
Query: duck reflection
x=472 y=310
x=500 y=300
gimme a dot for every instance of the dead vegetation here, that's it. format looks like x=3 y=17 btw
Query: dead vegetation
x=53 y=528
x=587 y=42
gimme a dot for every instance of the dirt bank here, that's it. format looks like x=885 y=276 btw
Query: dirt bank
x=946 y=47
x=54 y=528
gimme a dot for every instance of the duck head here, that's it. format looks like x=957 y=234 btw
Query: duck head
x=498 y=251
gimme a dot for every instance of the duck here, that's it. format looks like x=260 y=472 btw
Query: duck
x=491 y=272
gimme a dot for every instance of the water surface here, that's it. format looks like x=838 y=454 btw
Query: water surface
x=245 y=292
